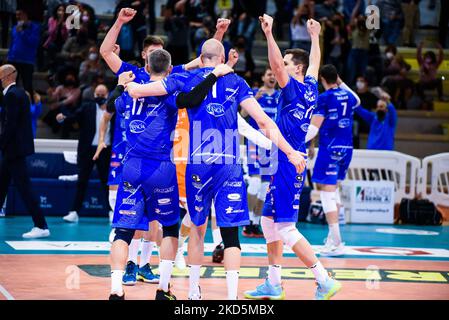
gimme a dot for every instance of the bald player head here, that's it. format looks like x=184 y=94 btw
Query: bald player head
x=8 y=75
x=212 y=53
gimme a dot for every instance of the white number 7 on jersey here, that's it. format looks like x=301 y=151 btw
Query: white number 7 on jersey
x=345 y=105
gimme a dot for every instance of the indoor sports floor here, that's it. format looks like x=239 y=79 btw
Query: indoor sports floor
x=382 y=262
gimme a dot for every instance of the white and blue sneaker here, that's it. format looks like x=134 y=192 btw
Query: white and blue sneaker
x=266 y=291
x=130 y=276
x=327 y=289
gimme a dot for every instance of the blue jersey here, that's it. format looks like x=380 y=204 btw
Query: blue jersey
x=269 y=104
x=213 y=124
x=337 y=106
x=297 y=101
x=119 y=137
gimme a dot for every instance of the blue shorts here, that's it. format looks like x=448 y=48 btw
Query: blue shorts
x=282 y=201
x=148 y=191
x=115 y=167
x=259 y=161
x=332 y=164
x=222 y=183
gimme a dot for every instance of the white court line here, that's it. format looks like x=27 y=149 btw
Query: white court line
x=5 y=292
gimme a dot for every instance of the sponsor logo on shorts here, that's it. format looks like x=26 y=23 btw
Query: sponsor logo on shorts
x=234 y=197
x=128 y=187
x=199 y=209
x=131 y=202
x=137 y=126
x=331 y=173
x=161 y=213
x=234 y=184
x=197 y=185
x=230 y=210
x=297 y=196
x=127 y=212
x=296 y=207
x=196 y=178
x=164 y=202
x=198 y=198
x=164 y=190
x=215 y=109
x=299 y=178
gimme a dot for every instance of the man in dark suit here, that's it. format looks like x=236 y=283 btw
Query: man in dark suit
x=88 y=117
x=16 y=143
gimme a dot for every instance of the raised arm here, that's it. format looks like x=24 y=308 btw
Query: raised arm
x=440 y=55
x=419 y=53
x=222 y=27
x=314 y=28
x=274 y=53
x=271 y=131
x=107 y=49
x=344 y=86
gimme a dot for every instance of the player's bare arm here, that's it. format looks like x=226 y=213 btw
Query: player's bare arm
x=108 y=49
x=314 y=29
x=271 y=131
x=274 y=53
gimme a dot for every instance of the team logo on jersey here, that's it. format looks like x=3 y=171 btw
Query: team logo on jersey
x=305 y=127
x=215 y=109
x=234 y=197
x=137 y=126
x=344 y=123
x=298 y=114
x=196 y=178
x=128 y=201
x=164 y=202
x=310 y=96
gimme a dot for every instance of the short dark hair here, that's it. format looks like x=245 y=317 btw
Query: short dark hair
x=329 y=73
x=159 y=61
x=299 y=56
x=152 y=40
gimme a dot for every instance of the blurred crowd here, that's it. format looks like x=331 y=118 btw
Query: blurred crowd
x=38 y=39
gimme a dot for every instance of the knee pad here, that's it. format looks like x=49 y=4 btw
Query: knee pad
x=124 y=234
x=112 y=198
x=170 y=231
x=263 y=190
x=230 y=236
x=253 y=185
x=269 y=231
x=186 y=221
x=337 y=196
x=288 y=233
x=328 y=201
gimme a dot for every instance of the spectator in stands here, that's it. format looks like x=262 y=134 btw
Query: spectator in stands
x=410 y=9
x=75 y=50
x=327 y=9
x=16 y=143
x=57 y=35
x=382 y=123
x=358 y=55
x=149 y=9
x=201 y=15
x=23 y=50
x=89 y=21
x=245 y=64
x=335 y=42
x=348 y=9
x=88 y=117
x=137 y=25
x=284 y=14
x=35 y=110
x=90 y=68
x=7 y=12
x=88 y=94
x=176 y=24
x=392 y=19
x=206 y=31
x=428 y=71
x=299 y=37
x=65 y=98
x=368 y=100
x=248 y=21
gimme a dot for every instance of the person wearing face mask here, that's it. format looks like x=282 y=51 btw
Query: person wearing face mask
x=22 y=52
x=16 y=143
x=89 y=116
x=76 y=49
x=382 y=122
x=90 y=68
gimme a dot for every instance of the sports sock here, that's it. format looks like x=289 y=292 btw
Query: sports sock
x=319 y=272
x=232 y=281
x=133 y=250
x=274 y=274
x=256 y=220
x=216 y=237
x=194 y=279
x=116 y=282
x=181 y=241
x=165 y=270
x=145 y=254
x=334 y=230
x=251 y=216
